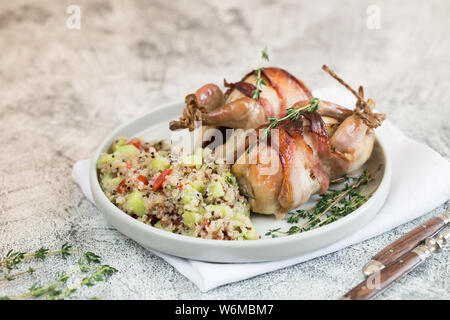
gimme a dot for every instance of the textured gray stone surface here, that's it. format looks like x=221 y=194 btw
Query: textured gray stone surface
x=63 y=90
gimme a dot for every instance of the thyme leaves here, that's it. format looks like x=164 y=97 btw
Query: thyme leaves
x=292 y=114
x=259 y=80
x=88 y=263
x=332 y=205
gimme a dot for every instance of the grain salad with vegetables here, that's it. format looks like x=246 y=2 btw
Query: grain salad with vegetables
x=158 y=184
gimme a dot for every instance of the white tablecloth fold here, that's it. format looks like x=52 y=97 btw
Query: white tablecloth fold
x=420 y=182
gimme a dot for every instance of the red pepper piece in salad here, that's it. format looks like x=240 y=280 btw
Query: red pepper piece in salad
x=160 y=179
x=135 y=142
x=142 y=179
x=121 y=186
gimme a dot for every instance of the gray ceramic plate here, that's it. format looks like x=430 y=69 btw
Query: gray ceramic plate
x=153 y=126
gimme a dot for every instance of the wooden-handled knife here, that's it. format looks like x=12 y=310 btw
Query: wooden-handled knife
x=406 y=243
x=381 y=280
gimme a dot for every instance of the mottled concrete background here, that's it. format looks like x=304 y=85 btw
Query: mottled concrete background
x=63 y=90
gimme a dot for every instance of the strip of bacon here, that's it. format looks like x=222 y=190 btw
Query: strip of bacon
x=319 y=129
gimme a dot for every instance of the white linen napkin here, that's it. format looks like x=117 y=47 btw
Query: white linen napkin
x=420 y=182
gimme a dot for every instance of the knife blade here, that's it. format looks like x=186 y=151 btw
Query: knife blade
x=406 y=243
x=380 y=281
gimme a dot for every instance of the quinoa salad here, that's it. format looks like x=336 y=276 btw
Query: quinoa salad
x=159 y=185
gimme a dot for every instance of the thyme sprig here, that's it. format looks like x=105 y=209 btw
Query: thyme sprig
x=228 y=179
x=292 y=114
x=88 y=262
x=13 y=276
x=259 y=81
x=333 y=204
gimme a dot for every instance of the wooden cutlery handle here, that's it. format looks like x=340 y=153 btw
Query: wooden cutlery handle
x=409 y=241
x=379 y=281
